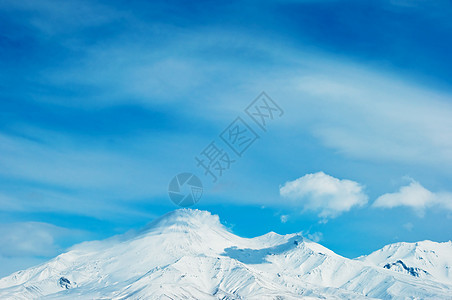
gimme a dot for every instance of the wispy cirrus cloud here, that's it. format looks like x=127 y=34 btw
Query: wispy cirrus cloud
x=43 y=170
x=398 y=120
x=355 y=110
x=378 y=117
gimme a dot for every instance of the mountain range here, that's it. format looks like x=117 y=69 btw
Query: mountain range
x=189 y=254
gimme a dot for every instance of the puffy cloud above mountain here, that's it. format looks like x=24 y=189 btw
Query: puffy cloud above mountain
x=327 y=195
x=415 y=196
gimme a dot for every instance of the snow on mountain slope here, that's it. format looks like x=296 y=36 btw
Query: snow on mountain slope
x=188 y=254
x=427 y=259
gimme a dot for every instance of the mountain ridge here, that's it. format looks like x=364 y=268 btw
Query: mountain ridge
x=189 y=254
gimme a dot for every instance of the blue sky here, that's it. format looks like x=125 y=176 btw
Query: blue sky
x=103 y=102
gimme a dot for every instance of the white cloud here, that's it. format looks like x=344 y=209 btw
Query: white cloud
x=408 y=226
x=315 y=237
x=324 y=194
x=67 y=169
x=31 y=239
x=354 y=109
x=53 y=18
x=416 y=197
x=56 y=162
x=284 y=218
x=397 y=121
x=25 y=244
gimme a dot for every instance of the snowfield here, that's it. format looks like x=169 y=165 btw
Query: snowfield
x=189 y=254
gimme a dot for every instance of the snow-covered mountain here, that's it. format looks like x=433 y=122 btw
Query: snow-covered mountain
x=427 y=259
x=188 y=254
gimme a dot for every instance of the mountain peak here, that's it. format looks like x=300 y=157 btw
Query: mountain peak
x=426 y=259
x=187 y=253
